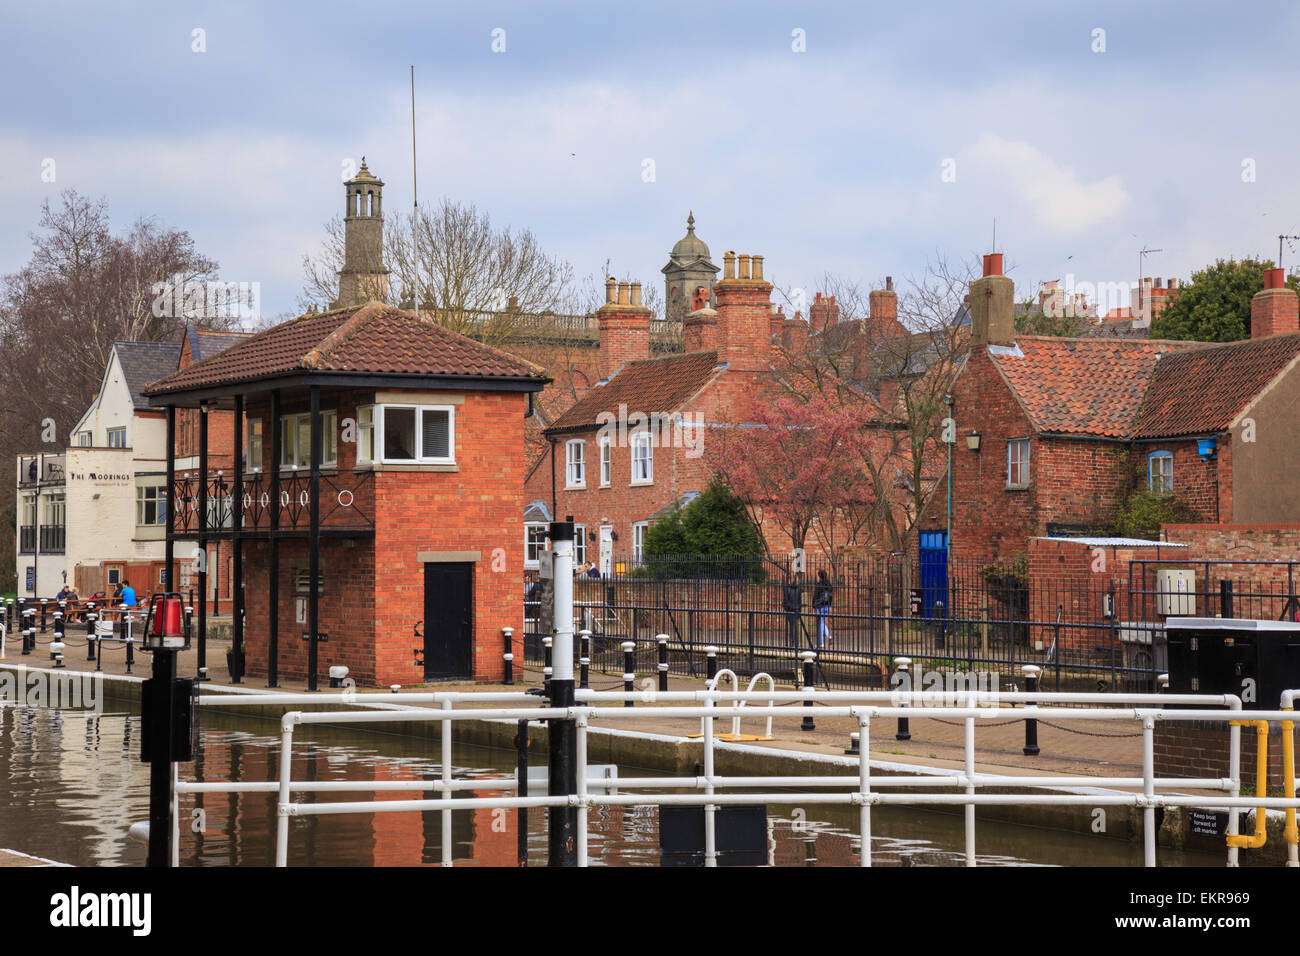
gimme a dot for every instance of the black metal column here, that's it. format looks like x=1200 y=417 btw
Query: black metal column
x=273 y=572
x=203 y=542
x=169 y=548
x=313 y=595
x=237 y=525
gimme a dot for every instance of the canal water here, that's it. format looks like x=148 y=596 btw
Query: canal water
x=74 y=784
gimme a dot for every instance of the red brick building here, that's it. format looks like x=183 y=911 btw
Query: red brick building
x=1054 y=434
x=375 y=521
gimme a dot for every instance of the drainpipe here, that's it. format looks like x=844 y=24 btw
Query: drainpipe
x=948 y=401
x=554 y=510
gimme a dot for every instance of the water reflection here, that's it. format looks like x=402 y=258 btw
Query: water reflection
x=74 y=784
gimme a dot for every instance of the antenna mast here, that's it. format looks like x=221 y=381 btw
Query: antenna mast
x=415 y=184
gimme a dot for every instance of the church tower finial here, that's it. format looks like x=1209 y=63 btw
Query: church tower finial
x=688 y=269
x=363 y=276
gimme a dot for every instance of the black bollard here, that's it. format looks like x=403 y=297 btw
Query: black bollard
x=809 y=659
x=1225 y=598
x=45 y=607
x=546 y=660
x=902 y=666
x=662 y=641
x=1031 y=672
x=853 y=749
x=629 y=669
x=711 y=657
x=509 y=655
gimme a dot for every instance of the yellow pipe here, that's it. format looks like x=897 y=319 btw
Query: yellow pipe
x=1261 y=788
x=1288 y=779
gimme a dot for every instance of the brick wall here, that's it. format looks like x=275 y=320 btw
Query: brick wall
x=373 y=590
x=1200 y=749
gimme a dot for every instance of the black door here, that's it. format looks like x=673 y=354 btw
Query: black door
x=448 y=620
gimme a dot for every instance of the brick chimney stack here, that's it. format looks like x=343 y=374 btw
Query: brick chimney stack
x=744 y=310
x=624 y=326
x=794 y=334
x=1275 y=308
x=823 y=312
x=992 y=306
x=884 y=302
x=701 y=325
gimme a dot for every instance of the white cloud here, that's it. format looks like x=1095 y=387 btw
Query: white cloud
x=1052 y=193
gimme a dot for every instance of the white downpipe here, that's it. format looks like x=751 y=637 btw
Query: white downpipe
x=1234 y=772
x=864 y=786
x=282 y=804
x=580 y=758
x=446 y=779
x=1149 y=790
x=562 y=646
x=710 y=835
x=970 y=786
x=176 y=817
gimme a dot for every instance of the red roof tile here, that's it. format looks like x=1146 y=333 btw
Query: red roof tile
x=650 y=386
x=370 y=339
x=1082 y=386
x=1201 y=391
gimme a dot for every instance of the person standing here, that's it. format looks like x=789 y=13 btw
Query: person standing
x=822 y=600
x=792 y=604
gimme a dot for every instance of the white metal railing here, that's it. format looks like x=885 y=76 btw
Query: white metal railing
x=863 y=789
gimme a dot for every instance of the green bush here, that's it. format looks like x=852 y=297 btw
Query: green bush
x=697 y=540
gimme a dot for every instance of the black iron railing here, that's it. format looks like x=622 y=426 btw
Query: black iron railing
x=346 y=503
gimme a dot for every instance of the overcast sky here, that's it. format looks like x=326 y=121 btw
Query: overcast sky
x=832 y=158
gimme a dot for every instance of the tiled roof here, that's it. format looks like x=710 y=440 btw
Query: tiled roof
x=205 y=344
x=1082 y=386
x=1201 y=391
x=650 y=386
x=371 y=339
x=145 y=362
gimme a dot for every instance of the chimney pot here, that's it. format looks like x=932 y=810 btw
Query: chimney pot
x=889 y=283
x=758 y=267
x=636 y=293
x=743 y=273
x=993 y=264
x=817 y=297
x=610 y=284
x=1275 y=279
x=622 y=293
x=729 y=265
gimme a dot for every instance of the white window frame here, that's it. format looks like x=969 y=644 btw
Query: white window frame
x=296 y=426
x=253 y=445
x=575 y=465
x=365 y=434
x=85 y=439
x=639 y=530
x=119 y=432
x=642 y=463
x=159 y=502
x=1021 y=462
x=417 y=440
x=1166 y=473
x=606 y=462
x=579 y=545
x=537 y=545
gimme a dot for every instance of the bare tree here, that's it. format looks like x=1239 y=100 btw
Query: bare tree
x=82 y=290
x=898 y=376
x=448 y=259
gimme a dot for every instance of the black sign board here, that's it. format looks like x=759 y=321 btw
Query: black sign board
x=918 y=603
x=31 y=578
x=320 y=636
x=1210 y=823
x=740 y=834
